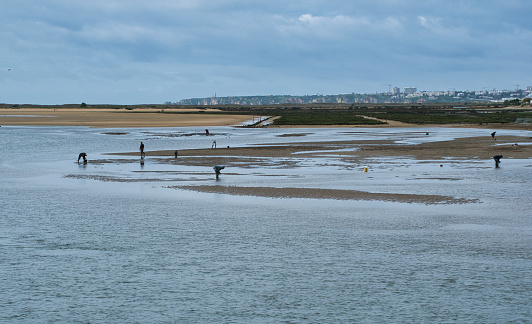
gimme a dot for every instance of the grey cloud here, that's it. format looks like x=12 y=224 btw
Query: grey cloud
x=241 y=47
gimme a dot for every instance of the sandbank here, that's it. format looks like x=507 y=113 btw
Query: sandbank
x=318 y=193
x=349 y=154
x=116 y=118
x=463 y=148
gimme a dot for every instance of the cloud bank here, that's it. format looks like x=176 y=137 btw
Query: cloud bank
x=128 y=52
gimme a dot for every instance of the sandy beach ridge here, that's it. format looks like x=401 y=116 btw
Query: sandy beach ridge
x=116 y=118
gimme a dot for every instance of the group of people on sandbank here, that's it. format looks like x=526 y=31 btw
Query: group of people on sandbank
x=217 y=168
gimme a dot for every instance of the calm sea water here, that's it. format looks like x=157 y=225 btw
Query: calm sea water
x=78 y=250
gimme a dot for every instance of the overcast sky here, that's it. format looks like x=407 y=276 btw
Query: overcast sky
x=130 y=51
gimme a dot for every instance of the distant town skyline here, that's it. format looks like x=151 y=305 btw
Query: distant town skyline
x=134 y=52
x=409 y=95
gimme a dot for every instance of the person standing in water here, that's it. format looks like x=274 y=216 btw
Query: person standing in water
x=493 y=135
x=497 y=159
x=142 y=150
x=84 y=156
x=218 y=169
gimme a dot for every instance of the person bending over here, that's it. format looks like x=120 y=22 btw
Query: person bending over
x=497 y=159
x=84 y=156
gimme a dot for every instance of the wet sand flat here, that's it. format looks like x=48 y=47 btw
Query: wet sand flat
x=116 y=118
x=271 y=155
x=345 y=154
x=470 y=148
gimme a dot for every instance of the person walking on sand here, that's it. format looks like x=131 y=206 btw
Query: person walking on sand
x=84 y=156
x=497 y=159
x=142 y=150
x=493 y=135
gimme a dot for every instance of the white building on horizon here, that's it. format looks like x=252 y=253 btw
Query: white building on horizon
x=410 y=90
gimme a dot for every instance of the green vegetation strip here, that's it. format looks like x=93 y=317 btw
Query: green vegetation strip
x=324 y=118
x=405 y=115
x=452 y=117
x=351 y=115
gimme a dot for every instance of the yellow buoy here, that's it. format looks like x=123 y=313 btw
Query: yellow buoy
x=365 y=169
